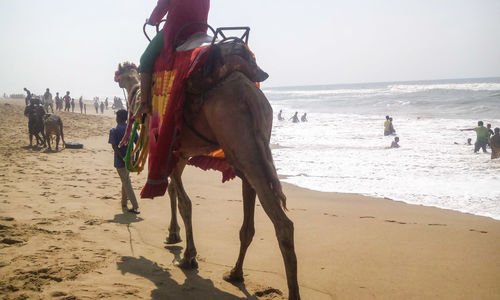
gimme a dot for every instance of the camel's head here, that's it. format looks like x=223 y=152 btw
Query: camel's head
x=127 y=75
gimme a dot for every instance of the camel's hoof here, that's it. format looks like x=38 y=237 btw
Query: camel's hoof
x=232 y=277
x=188 y=264
x=173 y=239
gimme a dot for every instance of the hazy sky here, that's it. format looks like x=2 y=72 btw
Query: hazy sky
x=77 y=45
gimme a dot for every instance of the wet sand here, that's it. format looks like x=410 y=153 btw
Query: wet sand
x=63 y=234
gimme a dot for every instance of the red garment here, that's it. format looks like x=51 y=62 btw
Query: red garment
x=162 y=149
x=180 y=13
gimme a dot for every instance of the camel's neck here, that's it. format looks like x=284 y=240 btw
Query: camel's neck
x=132 y=89
x=130 y=85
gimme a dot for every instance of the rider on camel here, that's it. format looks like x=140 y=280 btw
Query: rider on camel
x=180 y=13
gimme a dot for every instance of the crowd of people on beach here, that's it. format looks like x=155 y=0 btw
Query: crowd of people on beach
x=67 y=103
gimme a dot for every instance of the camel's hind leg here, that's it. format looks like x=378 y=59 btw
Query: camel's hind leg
x=247 y=231
x=246 y=144
x=185 y=209
x=283 y=226
x=174 y=229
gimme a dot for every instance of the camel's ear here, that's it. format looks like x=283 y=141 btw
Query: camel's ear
x=120 y=68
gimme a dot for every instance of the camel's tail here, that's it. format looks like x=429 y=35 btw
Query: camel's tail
x=257 y=112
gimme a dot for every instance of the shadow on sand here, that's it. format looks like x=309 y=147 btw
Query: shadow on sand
x=194 y=287
x=32 y=148
x=126 y=218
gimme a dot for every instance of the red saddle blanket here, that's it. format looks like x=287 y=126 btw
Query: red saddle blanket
x=166 y=122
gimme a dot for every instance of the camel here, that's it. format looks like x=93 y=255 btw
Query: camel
x=53 y=127
x=237 y=117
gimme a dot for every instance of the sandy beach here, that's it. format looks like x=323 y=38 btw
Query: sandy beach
x=63 y=234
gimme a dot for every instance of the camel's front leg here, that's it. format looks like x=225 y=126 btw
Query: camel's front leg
x=185 y=209
x=174 y=229
x=247 y=231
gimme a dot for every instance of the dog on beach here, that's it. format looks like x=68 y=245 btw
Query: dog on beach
x=53 y=127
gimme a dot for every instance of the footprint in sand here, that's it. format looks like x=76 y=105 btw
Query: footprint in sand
x=93 y=222
x=436 y=224
x=367 y=217
x=268 y=291
x=480 y=231
x=394 y=221
x=327 y=214
x=58 y=294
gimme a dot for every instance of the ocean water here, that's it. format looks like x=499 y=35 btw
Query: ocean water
x=342 y=147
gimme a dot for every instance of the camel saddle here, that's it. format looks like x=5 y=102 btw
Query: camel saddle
x=195 y=69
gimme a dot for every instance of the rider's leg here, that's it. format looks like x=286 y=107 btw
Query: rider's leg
x=146 y=68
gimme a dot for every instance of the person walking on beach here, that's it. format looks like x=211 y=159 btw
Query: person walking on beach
x=303 y=118
x=96 y=105
x=482 y=135
x=67 y=101
x=102 y=107
x=47 y=97
x=115 y=136
x=295 y=118
x=80 y=101
x=495 y=144
x=28 y=96
x=72 y=104
x=106 y=103
x=58 y=102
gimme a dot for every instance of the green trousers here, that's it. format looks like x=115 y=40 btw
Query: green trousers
x=152 y=52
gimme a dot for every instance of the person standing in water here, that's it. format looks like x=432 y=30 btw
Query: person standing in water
x=490 y=133
x=387 y=125
x=482 y=136
x=391 y=127
x=394 y=143
x=280 y=117
x=295 y=118
x=495 y=144
x=303 y=118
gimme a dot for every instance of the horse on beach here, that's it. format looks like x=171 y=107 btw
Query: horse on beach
x=224 y=109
